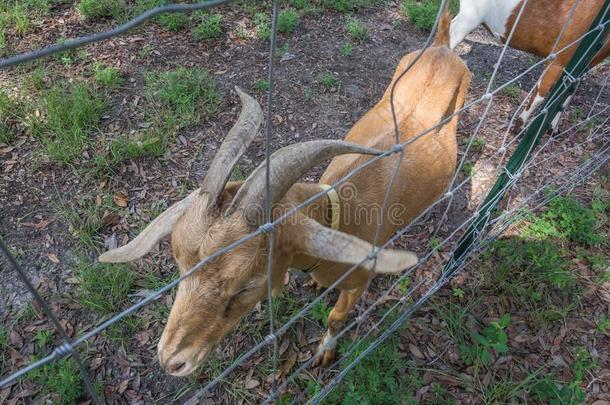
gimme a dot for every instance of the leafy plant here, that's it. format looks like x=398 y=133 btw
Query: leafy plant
x=99 y=9
x=187 y=93
x=319 y=312
x=347 y=49
x=423 y=13
x=108 y=77
x=566 y=219
x=356 y=30
x=61 y=379
x=209 y=27
x=493 y=338
x=287 y=21
x=72 y=112
x=104 y=287
x=262 y=85
x=512 y=90
x=263 y=29
x=328 y=80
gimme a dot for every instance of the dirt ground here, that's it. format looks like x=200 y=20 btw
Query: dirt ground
x=128 y=371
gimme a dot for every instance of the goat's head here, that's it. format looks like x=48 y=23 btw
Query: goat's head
x=211 y=301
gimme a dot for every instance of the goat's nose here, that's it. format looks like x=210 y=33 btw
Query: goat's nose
x=175 y=366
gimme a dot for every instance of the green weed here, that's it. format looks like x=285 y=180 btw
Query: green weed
x=12 y=114
x=468 y=169
x=423 y=13
x=72 y=113
x=262 y=85
x=84 y=219
x=356 y=30
x=209 y=27
x=328 y=80
x=43 y=338
x=100 y=9
x=108 y=77
x=104 y=287
x=263 y=29
x=287 y=21
x=187 y=93
x=347 y=49
x=478 y=144
x=512 y=90
x=346 y=6
x=61 y=379
x=566 y=219
x=319 y=312
x=124 y=330
x=492 y=338
x=170 y=21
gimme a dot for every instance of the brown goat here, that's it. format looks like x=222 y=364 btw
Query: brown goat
x=212 y=301
x=540 y=26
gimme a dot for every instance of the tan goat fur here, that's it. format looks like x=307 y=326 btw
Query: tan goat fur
x=211 y=302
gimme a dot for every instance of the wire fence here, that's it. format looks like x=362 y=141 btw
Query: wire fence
x=465 y=241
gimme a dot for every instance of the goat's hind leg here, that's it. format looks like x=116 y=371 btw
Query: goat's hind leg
x=336 y=320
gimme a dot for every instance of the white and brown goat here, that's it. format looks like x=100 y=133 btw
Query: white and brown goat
x=540 y=31
x=212 y=301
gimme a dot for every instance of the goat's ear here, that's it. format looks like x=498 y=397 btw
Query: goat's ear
x=151 y=235
x=316 y=240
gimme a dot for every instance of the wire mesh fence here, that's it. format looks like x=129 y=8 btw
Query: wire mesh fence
x=463 y=241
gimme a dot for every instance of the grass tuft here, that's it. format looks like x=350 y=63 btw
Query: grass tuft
x=108 y=77
x=104 y=287
x=61 y=379
x=72 y=113
x=94 y=10
x=423 y=13
x=187 y=93
x=287 y=21
x=356 y=30
x=209 y=27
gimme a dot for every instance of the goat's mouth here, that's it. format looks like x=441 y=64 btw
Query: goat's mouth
x=181 y=365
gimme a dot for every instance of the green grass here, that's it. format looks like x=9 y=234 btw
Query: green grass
x=84 y=218
x=356 y=30
x=423 y=13
x=468 y=169
x=72 y=113
x=329 y=80
x=18 y=16
x=262 y=26
x=319 y=312
x=478 y=144
x=188 y=94
x=108 y=77
x=170 y=21
x=287 y=21
x=61 y=379
x=347 y=6
x=512 y=90
x=347 y=49
x=44 y=338
x=12 y=116
x=567 y=219
x=123 y=331
x=104 y=287
x=209 y=27
x=99 y=9
x=262 y=85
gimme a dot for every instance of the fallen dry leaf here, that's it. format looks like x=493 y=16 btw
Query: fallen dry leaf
x=120 y=199
x=53 y=257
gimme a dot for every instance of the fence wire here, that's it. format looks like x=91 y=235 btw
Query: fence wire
x=492 y=230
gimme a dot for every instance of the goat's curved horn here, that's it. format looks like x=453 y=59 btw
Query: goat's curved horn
x=151 y=235
x=316 y=240
x=232 y=148
x=287 y=166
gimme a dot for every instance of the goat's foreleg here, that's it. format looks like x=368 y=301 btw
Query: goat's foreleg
x=548 y=79
x=336 y=320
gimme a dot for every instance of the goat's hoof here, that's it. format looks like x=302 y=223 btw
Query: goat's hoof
x=324 y=358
